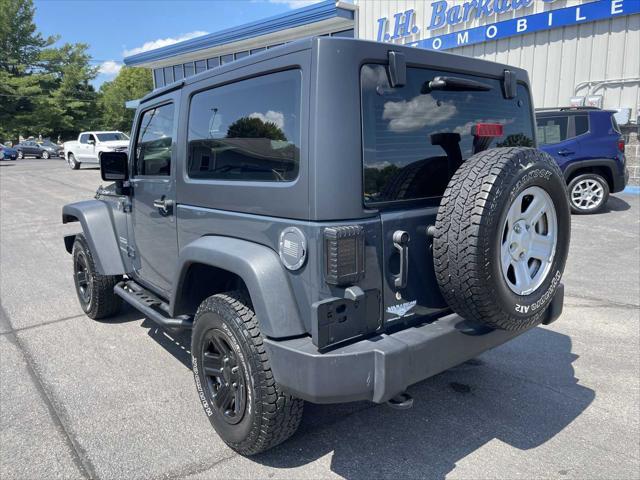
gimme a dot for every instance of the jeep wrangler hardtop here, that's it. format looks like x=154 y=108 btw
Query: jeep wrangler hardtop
x=334 y=219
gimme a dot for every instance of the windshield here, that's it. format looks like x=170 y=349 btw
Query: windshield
x=108 y=137
x=415 y=137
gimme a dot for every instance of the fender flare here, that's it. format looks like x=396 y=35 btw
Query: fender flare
x=608 y=163
x=260 y=269
x=95 y=218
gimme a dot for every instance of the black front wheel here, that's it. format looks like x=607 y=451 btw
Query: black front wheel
x=45 y=155
x=95 y=291
x=235 y=383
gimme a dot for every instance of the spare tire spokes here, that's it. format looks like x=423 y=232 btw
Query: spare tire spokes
x=528 y=240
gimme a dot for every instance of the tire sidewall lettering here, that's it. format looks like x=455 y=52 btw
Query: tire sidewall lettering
x=201 y=394
x=524 y=307
x=214 y=318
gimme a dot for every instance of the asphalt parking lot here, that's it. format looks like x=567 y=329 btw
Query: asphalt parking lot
x=115 y=399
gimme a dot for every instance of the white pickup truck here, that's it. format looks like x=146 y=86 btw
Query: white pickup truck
x=90 y=145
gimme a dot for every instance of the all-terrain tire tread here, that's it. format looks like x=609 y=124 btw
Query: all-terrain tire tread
x=105 y=302
x=280 y=413
x=459 y=249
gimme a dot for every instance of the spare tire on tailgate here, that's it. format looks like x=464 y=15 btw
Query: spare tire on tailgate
x=502 y=237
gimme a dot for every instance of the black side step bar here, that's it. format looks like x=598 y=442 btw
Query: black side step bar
x=149 y=304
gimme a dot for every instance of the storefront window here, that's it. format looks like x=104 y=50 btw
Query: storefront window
x=189 y=69
x=201 y=66
x=168 y=75
x=158 y=77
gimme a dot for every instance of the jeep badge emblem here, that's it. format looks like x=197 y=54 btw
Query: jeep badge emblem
x=292 y=248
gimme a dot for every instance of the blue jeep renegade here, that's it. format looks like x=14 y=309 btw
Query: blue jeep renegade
x=589 y=147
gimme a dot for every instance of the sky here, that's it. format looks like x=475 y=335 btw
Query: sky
x=114 y=29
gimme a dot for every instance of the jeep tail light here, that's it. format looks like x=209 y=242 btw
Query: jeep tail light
x=488 y=130
x=621 y=145
x=344 y=254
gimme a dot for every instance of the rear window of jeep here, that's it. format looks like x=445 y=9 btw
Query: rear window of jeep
x=414 y=137
x=248 y=130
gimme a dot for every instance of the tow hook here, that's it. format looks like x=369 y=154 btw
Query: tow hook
x=402 y=401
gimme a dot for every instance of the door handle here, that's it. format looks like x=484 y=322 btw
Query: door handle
x=565 y=152
x=401 y=244
x=164 y=206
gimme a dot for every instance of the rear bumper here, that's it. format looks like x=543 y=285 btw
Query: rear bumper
x=379 y=368
x=621 y=181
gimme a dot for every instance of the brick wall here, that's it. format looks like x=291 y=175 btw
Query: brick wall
x=632 y=152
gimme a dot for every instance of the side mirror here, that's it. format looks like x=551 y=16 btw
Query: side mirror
x=91 y=141
x=114 y=166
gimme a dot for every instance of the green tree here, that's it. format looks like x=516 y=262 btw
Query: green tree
x=516 y=140
x=44 y=90
x=252 y=127
x=20 y=44
x=130 y=84
x=71 y=104
x=20 y=47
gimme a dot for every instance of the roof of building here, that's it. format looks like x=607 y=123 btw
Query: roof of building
x=324 y=11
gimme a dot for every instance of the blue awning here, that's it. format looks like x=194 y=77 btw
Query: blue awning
x=318 y=12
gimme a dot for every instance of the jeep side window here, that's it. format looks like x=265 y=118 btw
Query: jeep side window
x=414 y=138
x=581 y=124
x=154 y=142
x=249 y=130
x=552 y=129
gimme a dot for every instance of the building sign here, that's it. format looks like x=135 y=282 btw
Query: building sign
x=442 y=14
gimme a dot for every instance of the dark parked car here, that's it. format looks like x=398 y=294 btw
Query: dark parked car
x=589 y=147
x=334 y=219
x=7 y=153
x=34 y=149
x=58 y=150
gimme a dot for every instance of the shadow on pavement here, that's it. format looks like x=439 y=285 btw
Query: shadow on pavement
x=522 y=394
x=454 y=414
x=616 y=204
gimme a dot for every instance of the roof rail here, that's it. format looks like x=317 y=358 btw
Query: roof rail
x=564 y=109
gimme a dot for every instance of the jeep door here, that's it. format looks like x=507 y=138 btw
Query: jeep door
x=154 y=245
x=558 y=136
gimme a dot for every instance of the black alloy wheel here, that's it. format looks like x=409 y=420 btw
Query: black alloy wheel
x=83 y=278
x=225 y=378
x=233 y=377
x=95 y=291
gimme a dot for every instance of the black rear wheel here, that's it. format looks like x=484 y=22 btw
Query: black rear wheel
x=233 y=377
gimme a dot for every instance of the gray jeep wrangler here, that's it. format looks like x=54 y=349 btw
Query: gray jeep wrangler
x=335 y=220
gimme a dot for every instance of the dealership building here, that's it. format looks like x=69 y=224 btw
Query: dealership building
x=580 y=52
x=577 y=52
